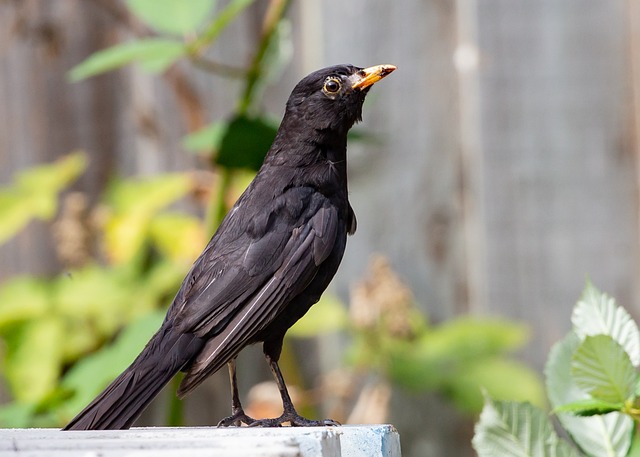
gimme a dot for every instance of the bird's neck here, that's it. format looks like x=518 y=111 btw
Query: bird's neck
x=313 y=157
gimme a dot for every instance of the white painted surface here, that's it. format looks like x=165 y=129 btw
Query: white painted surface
x=345 y=441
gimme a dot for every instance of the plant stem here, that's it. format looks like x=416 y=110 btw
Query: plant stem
x=222 y=20
x=272 y=17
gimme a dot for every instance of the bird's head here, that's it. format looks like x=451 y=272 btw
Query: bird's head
x=331 y=99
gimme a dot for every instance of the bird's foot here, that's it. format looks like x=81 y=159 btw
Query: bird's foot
x=237 y=419
x=294 y=419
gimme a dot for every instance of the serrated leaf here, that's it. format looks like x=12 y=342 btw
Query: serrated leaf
x=598 y=314
x=589 y=407
x=602 y=368
x=326 y=316
x=173 y=16
x=517 y=430
x=154 y=55
x=607 y=435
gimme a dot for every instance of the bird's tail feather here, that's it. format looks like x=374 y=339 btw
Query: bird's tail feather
x=120 y=404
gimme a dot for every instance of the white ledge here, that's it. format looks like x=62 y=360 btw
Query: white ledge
x=344 y=441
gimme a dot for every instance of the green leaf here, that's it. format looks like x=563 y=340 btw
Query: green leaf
x=501 y=378
x=597 y=314
x=246 y=142
x=178 y=236
x=53 y=177
x=34 y=359
x=589 y=407
x=154 y=55
x=466 y=338
x=607 y=435
x=173 y=16
x=92 y=374
x=326 y=316
x=96 y=297
x=16 y=415
x=134 y=203
x=517 y=430
x=35 y=193
x=603 y=369
x=207 y=139
x=21 y=299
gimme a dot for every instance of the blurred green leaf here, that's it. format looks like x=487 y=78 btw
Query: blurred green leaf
x=34 y=359
x=154 y=55
x=92 y=374
x=606 y=435
x=17 y=415
x=22 y=299
x=517 y=429
x=598 y=314
x=147 y=195
x=134 y=203
x=466 y=338
x=589 y=407
x=207 y=139
x=177 y=236
x=51 y=178
x=173 y=16
x=35 y=193
x=99 y=297
x=246 y=142
x=327 y=316
x=501 y=378
x=603 y=369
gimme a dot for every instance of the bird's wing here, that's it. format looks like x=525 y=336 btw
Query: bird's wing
x=307 y=246
x=272 y=255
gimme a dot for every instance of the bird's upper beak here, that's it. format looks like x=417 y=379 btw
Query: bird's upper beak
x=371 y=75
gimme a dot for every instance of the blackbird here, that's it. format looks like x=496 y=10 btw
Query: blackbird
x=269 y=261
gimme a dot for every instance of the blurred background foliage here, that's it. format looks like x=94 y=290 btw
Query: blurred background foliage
x=65 y=337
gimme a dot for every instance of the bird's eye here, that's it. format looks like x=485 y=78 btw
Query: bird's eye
x=332 y=85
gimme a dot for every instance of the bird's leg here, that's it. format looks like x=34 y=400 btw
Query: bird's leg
x=289 y=414
x=238 y=416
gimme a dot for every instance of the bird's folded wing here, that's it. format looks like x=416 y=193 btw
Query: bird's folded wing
x=307 y=247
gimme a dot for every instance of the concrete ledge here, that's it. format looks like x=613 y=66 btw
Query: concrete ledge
x=345 y=441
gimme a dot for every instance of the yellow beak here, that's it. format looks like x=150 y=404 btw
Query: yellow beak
x=371 y=75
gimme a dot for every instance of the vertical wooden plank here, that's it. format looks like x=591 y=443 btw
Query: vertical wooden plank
x=559 y=192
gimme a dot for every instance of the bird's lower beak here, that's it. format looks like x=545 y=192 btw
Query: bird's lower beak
x=371 y=75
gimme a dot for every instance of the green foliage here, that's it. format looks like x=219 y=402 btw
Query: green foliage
x=517 y=429
x=154 y=55
x=173 y=16
x=592 y=381
x=62 y=319
x=240 y=143
x=34 y=195
x=457 y=359
x=246 y=142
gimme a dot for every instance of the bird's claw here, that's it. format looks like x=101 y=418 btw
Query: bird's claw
x=295 y=420
x=236 y=420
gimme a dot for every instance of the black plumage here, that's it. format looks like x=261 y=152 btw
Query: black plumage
x=269 y=261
